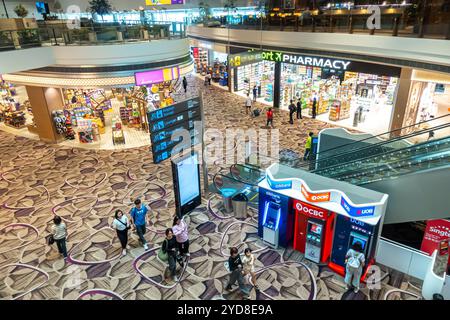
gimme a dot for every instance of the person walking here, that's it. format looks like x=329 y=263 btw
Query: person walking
x=255 y=93
x=249 y=265
x=248 y=104
x=139 y=219
x=59 y=231
x=314 y=106
x=292 y=109
x=354 y=263
x=308 y=145
x=299 y=109
x=209 y=78
x=185 y=84
x=235 y=265
x=269 y=117
x=180 y=230
x=121 y=224
x=170 y=247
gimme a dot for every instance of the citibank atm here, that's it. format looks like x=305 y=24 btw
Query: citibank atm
x=271 y=223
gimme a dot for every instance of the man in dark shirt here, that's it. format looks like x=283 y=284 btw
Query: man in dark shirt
x=299 y=109
x=235 y=266
x=291 y=112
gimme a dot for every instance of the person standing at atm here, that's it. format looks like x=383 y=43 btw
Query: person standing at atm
x=354 y=263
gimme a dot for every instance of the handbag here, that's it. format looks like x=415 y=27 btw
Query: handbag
x=49 y=239
x=163 y=256
x=126 y=226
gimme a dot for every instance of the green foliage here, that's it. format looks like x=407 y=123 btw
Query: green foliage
x=21 y=11
x=100 y=7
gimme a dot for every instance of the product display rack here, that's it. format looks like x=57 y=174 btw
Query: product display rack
x=118 y=136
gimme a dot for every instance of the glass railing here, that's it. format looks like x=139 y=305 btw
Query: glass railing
x=423 y=156
x=227 y=186
x=406 y=20
x=64 y=34
x=246 y=173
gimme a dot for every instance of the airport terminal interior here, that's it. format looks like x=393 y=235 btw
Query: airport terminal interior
x=307 y=137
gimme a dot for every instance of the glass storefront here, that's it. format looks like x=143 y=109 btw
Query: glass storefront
x=261 y=75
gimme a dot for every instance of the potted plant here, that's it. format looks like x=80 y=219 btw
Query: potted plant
x=100 y=7
x=21 y=11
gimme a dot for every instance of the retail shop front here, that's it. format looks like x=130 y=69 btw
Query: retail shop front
x=349 y=93
x=210 y=58
x=81 y=112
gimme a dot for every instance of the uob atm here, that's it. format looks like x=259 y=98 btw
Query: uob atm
x=318 y=216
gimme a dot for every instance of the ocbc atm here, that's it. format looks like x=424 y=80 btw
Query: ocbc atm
x=313 y=234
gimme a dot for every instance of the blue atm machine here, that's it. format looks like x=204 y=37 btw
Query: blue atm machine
x=275 y=219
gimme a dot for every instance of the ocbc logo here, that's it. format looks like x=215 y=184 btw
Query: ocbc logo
x=324 y=197
x=309 y=211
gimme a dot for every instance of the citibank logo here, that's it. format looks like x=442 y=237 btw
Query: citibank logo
x=310 y=211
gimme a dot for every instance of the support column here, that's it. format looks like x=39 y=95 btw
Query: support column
x=277 y=85
x=401 y=101
x=43 y=102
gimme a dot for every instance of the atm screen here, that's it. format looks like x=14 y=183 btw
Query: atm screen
x=272 y=214
x=361 y=239
x=316 y=228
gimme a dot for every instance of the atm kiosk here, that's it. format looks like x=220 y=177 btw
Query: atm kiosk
x=271 y=222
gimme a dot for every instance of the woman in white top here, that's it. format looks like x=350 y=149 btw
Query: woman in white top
x=59 y=232
x=354 y=263
x=249 y=265
x=122 y=225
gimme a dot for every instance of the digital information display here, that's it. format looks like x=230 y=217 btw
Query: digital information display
x=186 y=181
x=165 y=122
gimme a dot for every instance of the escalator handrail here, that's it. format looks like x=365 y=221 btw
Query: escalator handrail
x=225 y=177
x=237 y=178
x=387 y=132
x=380 y=154
x=378 y=144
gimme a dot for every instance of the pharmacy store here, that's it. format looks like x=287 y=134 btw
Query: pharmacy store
x=348 y=93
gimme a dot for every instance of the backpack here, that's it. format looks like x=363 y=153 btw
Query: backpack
x=163 y=255
x=354 y=260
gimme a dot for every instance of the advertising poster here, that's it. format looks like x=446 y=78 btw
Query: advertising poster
x=435 y=233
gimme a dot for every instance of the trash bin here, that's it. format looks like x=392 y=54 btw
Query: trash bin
x=227 y=195
x=240 y=202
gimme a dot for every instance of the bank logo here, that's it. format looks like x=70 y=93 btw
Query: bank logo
x=309 y=211
x=355 y=211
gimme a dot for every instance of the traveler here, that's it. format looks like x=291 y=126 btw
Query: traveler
x=269 y=117
x=59 y=231
x=354 y=263
x=170 y=247
x=139 y=219
x=235 y=265
x=299 y=109
x=185 y=84
x=209 y=77
x=180 y=230
x=308 y=145
x=314 y=106
x=249 y=265
x=255 y=93
x=248 y=104
x=292 y=109
x=122 y=225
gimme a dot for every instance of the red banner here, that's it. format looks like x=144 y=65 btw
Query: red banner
x=436 y=231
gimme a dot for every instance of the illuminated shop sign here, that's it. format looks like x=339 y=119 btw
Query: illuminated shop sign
x=156 y=76
x=357 y=211
x=241 y=59
x=315 y=197
x=163 y=2
x=305 y=60
x=279 y=184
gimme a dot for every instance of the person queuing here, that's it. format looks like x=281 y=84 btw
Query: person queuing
x=121 y=224
x=314 y=106
x=170 y=247
x=249 y=265
x=269 y=117
x=139 y=219
x=248 y=104
x=354 y=263
x=59 y=231
x=185 y=84
x=255 y=93
x=180 y=230
x=308 y=145
x=292 y=109
x=235 y=265
x=299 y=109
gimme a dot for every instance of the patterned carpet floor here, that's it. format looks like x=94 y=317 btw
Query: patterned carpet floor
x=84 y=187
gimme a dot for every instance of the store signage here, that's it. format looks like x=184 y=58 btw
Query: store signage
x=305 y=60
x=315 y=197
x=163 y=2
x=357 y=211
x=278 y=184
x=435 y=232
x=311 y=211
x=156 y=76
x=242 y=59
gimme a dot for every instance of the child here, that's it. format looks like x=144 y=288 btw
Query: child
x=249 y=265
x=269 y=118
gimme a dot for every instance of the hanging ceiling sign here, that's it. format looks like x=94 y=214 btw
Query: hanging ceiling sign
x=306 y=60
x=156 y=76
x=245 y=58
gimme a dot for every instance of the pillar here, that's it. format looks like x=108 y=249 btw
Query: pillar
x=43 y=102
x=277 y=85
x=401 y=101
